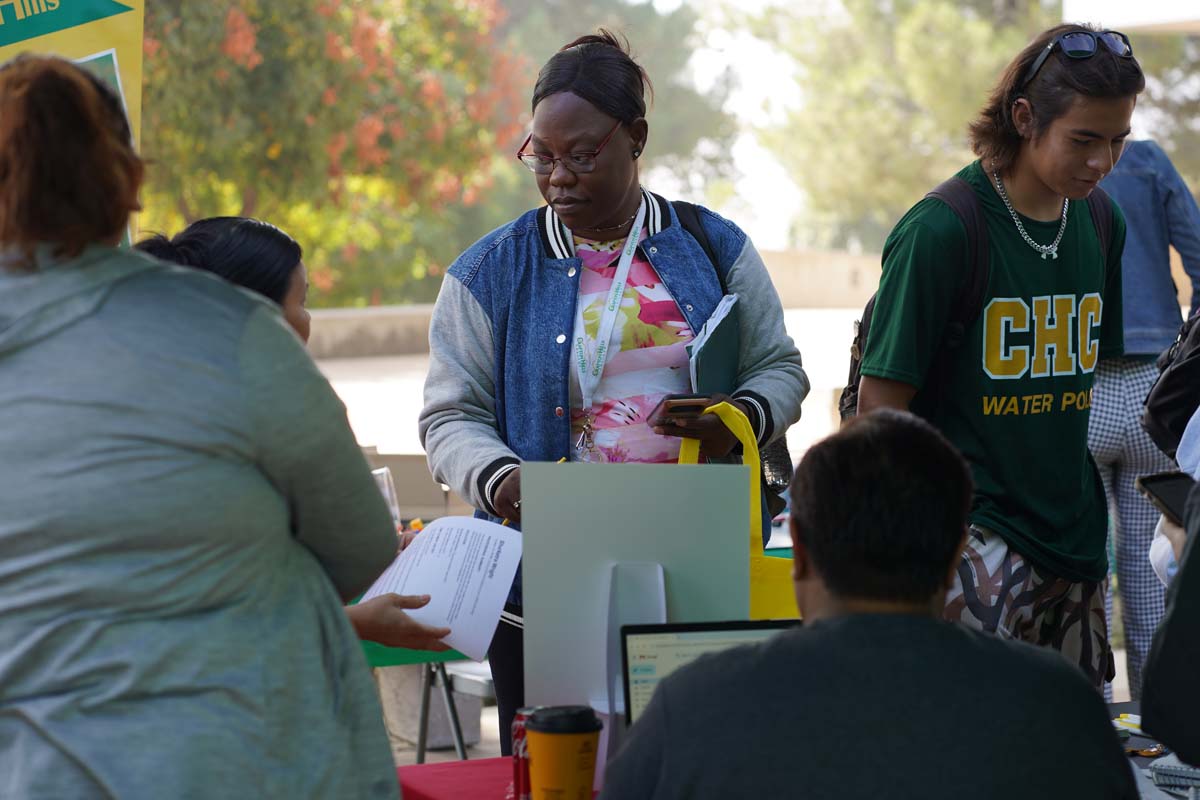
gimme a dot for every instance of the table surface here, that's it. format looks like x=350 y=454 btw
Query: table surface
x=482 y=778
x=488 y=778
x=1140 y=742
x=1146 y=788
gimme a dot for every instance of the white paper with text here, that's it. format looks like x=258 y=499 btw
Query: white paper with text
x=466 y=566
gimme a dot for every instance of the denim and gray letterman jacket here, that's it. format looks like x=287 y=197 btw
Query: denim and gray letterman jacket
x=498 y=389
x=1160 y=213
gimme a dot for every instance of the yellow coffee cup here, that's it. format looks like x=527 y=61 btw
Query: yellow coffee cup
x=562 y=743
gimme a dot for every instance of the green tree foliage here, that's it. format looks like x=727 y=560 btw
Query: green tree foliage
x=1171 y=103
x=888 y=89
x=381 y=133
x=689 y=129
x=351 y=125
x=690 y=133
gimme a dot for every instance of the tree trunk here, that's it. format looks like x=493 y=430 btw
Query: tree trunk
x=1005 y=12
x=181 y=204
x=249 y=201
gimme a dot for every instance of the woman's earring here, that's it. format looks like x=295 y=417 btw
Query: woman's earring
x=637 y=153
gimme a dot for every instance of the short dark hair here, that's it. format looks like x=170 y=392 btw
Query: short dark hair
x=249 y=252
x=994 y=136
x=881 y=507
x=598 y=68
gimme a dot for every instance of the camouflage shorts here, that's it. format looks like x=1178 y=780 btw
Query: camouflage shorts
x=998 y=591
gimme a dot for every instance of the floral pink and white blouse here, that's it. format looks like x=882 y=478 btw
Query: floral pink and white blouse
x=647 y=358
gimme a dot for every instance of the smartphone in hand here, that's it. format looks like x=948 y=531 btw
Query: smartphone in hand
x=679 y=405
x=1168 y=492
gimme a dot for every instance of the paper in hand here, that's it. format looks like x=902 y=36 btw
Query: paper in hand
x=466 y=566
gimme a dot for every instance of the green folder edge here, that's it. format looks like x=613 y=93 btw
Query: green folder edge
x=716 y=362
x=379 y=655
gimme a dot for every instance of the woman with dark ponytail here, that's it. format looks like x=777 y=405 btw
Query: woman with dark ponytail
x=248 y=252
x=528 y=358
x=263 y=259
x=183 y=507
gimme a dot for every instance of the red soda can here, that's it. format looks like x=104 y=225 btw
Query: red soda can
x=520 y=753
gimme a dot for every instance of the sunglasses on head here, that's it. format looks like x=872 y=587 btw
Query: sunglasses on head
x=1080 y=45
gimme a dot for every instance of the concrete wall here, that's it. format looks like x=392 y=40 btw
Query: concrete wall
x=375 y=331
x=416 y=492
x=823 y=278
x=804 y=279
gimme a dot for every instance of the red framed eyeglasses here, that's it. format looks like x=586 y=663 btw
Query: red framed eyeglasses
x=579 y=162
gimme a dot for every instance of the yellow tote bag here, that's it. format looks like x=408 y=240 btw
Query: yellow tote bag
x=771 y=592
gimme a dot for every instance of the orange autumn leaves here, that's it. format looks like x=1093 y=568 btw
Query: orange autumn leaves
x=241 y=38
x=362 y=126
x=430 y=89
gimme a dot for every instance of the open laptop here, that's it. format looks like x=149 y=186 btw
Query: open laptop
x=650 y=653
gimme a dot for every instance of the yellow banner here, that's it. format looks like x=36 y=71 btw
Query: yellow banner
x=105 y=36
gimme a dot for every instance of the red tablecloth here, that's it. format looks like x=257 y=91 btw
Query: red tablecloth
x=484 y=778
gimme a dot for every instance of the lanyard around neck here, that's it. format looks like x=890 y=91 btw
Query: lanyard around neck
x=590 y=365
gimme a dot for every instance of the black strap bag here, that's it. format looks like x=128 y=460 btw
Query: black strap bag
x=1175 y=396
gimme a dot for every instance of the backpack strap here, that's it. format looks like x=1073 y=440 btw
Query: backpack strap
x=776 y=461
x=963 y=200
x=1101 y=207
x=689 y=218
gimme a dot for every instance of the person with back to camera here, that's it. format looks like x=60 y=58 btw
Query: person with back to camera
x=262 y=258
x=517 y=371
x=1170 y=701
x=183 y=507
x=875 y=695
x=1014 y=396
x=1160 y=212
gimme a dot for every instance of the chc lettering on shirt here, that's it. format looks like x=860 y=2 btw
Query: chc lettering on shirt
x=1049 y=336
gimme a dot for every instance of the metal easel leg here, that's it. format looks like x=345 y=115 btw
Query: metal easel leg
x=452 y=712
x=423 y=720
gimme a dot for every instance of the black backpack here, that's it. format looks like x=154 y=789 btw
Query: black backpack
x=1174 y=397
x=968 y=301
x=776 y=460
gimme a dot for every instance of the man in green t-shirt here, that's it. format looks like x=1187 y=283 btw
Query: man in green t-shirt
x=1014 y=396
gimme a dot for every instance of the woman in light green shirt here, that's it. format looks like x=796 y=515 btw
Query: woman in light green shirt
x=183 y=508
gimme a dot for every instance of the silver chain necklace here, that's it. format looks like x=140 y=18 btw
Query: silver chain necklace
x=1045 y=249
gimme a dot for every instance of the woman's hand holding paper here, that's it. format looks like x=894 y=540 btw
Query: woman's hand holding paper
x=382 y=619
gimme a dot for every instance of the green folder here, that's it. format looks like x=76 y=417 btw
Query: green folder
x=714 y=353
x=379 y=655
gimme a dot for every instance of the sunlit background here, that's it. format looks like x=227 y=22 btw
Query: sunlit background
x=381 y=135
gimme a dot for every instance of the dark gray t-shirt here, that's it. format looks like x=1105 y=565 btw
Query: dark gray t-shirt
x=875 y=706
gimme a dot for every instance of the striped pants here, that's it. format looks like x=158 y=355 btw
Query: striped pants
x=1123 y=451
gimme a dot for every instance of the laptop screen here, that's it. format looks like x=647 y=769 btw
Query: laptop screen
x=650 y=653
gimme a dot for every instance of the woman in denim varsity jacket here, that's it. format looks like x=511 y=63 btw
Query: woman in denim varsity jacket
x=504 y=333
